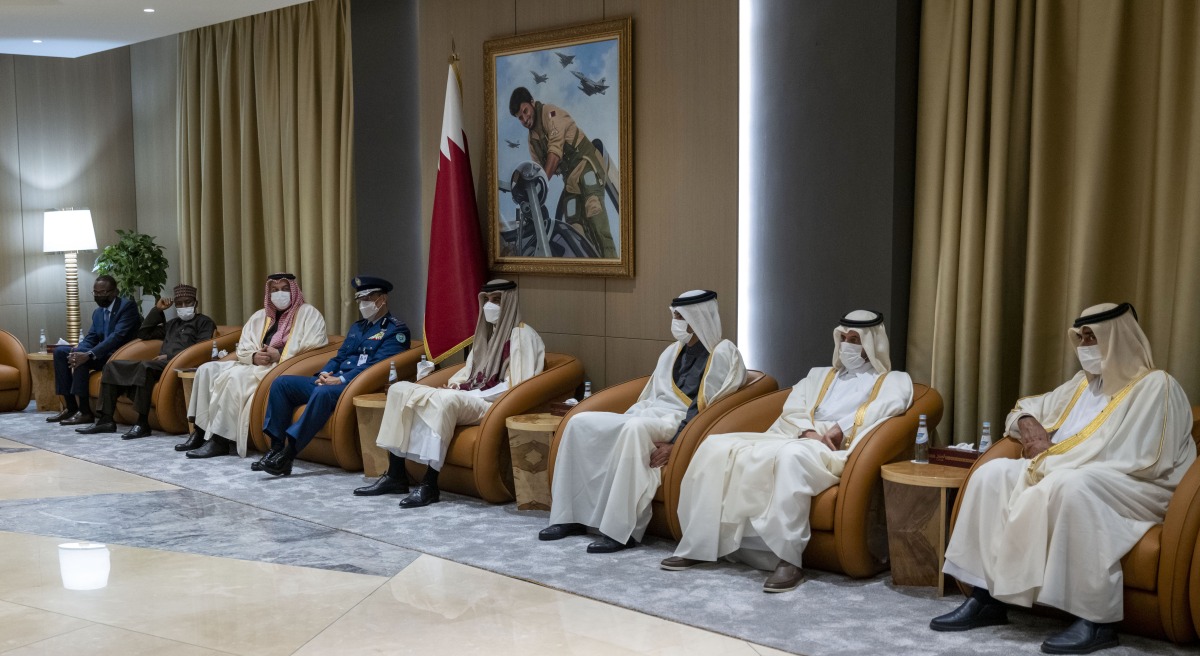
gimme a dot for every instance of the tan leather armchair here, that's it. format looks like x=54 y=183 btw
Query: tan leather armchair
x=1158 y=603
x=168 y=408
x=16 y=382
x=337 y=442
x=664 y=522
x=841 y=517
x=478 y=463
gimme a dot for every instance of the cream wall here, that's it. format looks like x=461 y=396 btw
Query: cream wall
x=66 y=140
x=685 y=80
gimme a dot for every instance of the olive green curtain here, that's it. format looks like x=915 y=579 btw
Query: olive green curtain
x=266 y=127
x=1058 y=166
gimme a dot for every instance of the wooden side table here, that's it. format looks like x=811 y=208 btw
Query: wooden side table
x=41 y=366
x=918 y=499
x=187 y=377
x=370 y=416
x=529 y=443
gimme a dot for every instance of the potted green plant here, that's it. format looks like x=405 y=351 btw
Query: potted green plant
x=137 y=263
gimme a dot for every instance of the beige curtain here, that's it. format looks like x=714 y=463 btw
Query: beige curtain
x=266 y=129
x=1058 y=166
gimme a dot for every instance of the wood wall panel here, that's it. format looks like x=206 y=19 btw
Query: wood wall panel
x=685 y=70
x=66 y=140
x=589 y=350
x=535 y=15
x=630 y=358
x=154 y=71
x=685 y=154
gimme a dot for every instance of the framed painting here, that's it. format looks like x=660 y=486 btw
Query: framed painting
x=560 y=151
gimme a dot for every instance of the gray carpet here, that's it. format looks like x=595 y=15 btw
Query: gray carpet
x=828 y=615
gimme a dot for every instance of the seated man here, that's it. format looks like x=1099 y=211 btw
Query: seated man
x=374 y=338
x=113 y=324
x=418 y=421
x=136 y=378
x=608 y=464
x=222 y=391
x=1102 y=456
x=748 y=495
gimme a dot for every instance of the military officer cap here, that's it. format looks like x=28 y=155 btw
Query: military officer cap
x=367 y=285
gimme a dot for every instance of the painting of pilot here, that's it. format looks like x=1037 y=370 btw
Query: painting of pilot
x=558 y=122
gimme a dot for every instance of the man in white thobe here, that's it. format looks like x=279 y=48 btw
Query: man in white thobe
x=748 y=495
x=418 y=421
x=222 y=391
x=609 y=464
x=1103 y=454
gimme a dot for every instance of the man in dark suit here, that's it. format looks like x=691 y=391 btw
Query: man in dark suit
x=137 y=378
x=114 y=323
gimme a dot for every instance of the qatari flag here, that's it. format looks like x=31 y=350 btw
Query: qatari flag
x=456 y=268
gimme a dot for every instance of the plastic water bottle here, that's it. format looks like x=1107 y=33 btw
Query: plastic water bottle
x=985 y=438
x=587 y=389
x=392 y=371
x=42 y=340
x=215 y=354
x=921 y=455
x=424 y=368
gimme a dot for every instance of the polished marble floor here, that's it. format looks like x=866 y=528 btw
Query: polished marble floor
x=168 y=601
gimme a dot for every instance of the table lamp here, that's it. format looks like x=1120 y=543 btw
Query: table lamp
x=68 y=232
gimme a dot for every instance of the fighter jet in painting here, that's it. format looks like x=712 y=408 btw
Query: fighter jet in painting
x=511 y=144
x=565 y=60
x=539 y=79
x=589 y=87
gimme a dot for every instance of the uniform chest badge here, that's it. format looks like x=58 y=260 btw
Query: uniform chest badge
x=377 y=336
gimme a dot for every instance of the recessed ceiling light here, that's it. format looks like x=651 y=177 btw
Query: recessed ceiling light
x=37 y=40
x=148 y=10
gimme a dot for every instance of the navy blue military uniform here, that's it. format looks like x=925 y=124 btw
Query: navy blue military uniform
x=112 y=327
x=367 y=344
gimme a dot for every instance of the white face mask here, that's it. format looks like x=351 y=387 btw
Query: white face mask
x=851 y=356
x=491 y=312
x=185 y=313
x=281 y=300
x=1089 y=358
x=367 y=309
x=679 y=330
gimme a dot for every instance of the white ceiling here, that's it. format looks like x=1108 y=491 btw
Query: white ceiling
x=72 y=28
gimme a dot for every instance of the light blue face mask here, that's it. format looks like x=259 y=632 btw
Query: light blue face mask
x=185 y=313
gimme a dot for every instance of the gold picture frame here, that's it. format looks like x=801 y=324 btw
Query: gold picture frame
x=577 y=219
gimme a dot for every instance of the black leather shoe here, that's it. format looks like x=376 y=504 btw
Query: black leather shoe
x=136 y=432
x=1082 y=637
x=608 y=545
x=422 y=496
x=194 y=441
x=79 y=419
x=60 y=416
x=383 y=485
x=98 y=427
x=972 y=614
x=257 y=465
x=279 y=464
x=217 y=446
x=560 y=531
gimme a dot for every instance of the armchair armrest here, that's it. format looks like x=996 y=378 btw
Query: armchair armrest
x=616 y=398
x=12 y=353
x=304 y=364
x=343 y=424
x=169 y=405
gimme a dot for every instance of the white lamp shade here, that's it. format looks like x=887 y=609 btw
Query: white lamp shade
x=68 y=230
